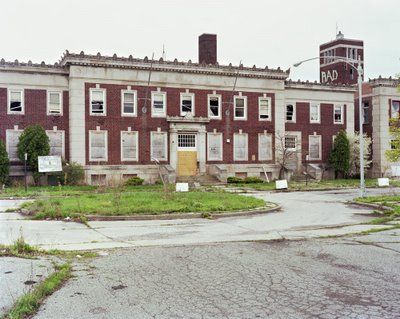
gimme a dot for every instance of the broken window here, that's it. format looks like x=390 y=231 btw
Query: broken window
x=264 y=147
x=264 y=109
x=158 y=104
x=314 y=113
x=128 y=103
x=16 y=101
x=12 y=139
x=54 y=105
x=240 y=147
x=98 y=145
x=187 y=104
x=159 y=146
x=56 y=141
x=129 y=146
x=240 y=107
x=314 y=147
x=338 y=114
x=214 y=103
x=97 y=102
x=290 y=113
x=214 y=141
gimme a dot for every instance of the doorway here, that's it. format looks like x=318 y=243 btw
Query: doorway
x=187 y=154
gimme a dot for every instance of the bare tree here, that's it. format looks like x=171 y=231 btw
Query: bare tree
x=286 y=152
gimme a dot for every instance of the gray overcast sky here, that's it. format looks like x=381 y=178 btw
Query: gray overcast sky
x=273 y=33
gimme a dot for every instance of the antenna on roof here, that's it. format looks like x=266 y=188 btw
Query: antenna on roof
x=337 y=29
x=163 y=52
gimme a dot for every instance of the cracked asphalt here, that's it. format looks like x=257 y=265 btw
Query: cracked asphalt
x=349 y=277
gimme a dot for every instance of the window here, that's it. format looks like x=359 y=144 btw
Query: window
x=395 y=109
x=158 y=104
x=187 y=103
x=290 y=113
x=129 y=146
x=54 y=103
x=214 y=106
x=264 y=108
x=128 y=102
x=264 y=147
x=16 y=102
x=97 y=102
x=159 y=146
x=187 y=141
x=314 y=113
x=214 y=142
x=240 y=104
x=338 y=114
x=56 y=141
x=366 y=112
x=12 y=139
x=240 y=147
x=314 y=147
x=290 y=142
x=98 y=146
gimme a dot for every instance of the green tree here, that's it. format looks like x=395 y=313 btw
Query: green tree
x=339 y=157
x=393 y=155
x=35 y=142
x=4 y=164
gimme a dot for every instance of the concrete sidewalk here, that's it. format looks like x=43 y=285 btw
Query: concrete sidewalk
x=304 y=215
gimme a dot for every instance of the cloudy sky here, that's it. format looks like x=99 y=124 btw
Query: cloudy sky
x=261 y=32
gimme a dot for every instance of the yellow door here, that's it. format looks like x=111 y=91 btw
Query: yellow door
x=187 y=163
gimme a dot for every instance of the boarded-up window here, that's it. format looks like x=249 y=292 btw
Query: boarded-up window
x=97 y=102
x=314 y=113
x=54 y=104
x=214 y=141
x=159 y=146
x=395 y=111
x=264 y=147
x=129 y=146
x=158 y=102
x=16 y=101
x=56 y=141
x=12 y=139
x=240 y=147
x=98 y=179
x=314 y=147
x=98 y=145
x=264 y=109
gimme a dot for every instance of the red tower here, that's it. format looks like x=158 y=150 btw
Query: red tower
x=332 y=54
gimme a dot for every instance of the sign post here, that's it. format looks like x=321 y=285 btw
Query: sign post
x=25 y=181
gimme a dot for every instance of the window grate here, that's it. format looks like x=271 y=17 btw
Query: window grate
x=186 y=140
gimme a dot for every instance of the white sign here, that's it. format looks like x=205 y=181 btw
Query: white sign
x=182 y=187
x=49 y=164
x=282 y=184
x=382 y=182
x=329 y=76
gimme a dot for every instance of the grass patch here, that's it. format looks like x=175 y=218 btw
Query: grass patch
x=28 y=304
x=391 y=201
x=377 y=230
x=142 y=202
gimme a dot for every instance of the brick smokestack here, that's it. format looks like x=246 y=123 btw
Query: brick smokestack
x=208 y=48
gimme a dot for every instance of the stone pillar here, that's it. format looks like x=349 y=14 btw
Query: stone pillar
x=173 y=146
x=202 y=149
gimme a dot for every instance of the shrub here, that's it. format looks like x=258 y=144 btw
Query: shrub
x=251 y=180
x=4 y=165
x=74 y=174
x=234 y=180
x=339 y=157
x=134 y=181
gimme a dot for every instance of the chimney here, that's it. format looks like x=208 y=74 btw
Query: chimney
x=208 y=48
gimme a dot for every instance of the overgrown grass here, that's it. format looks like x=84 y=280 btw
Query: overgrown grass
x=391 y=201
x=143 y=202
x=28 y=304
x=314 y=185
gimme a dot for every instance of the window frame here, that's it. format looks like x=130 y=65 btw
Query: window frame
x=134 y=92
x=164 y=95
x=341 y=113
x=210 y=116
x=105 y=146
x=124 y=159
x=22 y=92
x=165 y=145
x=268 y=135
x=220 y=136
x=60 y=93
x=319 y=113
x=247 y=147
x=260 y=98
x=295 y=143
x=293 y=120
x=104 y=91
x=8 y=144
x=320 y=147
x=192 y=96
x=244 y=118
x=62 y=140
x=366 y=114
x=391 y=109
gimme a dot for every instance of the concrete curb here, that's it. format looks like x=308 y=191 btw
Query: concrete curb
x=370 y=205
x=255 y=211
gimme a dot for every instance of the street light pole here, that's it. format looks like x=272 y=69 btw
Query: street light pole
x=25 y=181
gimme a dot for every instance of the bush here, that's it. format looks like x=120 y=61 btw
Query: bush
x=74 y=174
x=234 y=180
x=339 y=157
x=4 y=165
x=134 y=181
x=253 y=180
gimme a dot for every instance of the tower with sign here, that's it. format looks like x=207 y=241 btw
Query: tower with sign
x=332 y=68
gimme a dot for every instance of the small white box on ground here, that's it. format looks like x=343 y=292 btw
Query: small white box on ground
x=182 y=187
x=383 y=182
x=281 y=184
